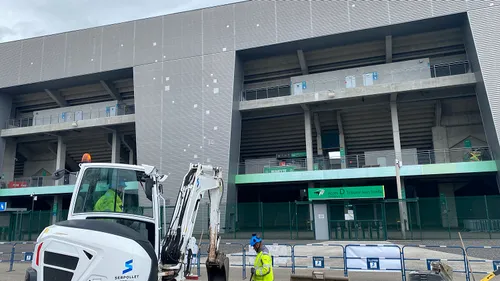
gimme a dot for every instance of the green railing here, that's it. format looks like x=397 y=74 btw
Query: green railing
x=476 y=217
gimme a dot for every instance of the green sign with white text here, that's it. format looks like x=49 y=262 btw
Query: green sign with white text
x=279 y=169
x=355 y=192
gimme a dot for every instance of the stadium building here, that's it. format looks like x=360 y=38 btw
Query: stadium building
x=327 y=117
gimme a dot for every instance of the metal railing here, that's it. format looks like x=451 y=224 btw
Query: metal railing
x=369 y=160
x=436 y=70
x=37 y=181
x=70 y=116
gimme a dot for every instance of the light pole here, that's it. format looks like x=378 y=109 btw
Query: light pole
x=402 y=206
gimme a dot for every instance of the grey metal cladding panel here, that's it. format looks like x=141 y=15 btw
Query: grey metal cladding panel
x=182 y=118
x=148 y=40
x=147 y=85
x=218 y=74
x=117 y=46
x=483 y=24
x=54 y=55
x=367 y=14
x=330 y=17
x=218 y=29
x=255 y=24
x=10 y=58
x=148 y=124
x=440 y=7
x=83 y=51
x=405 y=11
x=293 y=20
x=478 y=4
x=182 y=35
x=31 y=61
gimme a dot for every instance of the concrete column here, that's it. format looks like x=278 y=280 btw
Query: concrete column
x=9 y=160
x=343 y=160
x=395 y=128
x=57 y=209
x=319 y=142
x=115 y=148
x=440 y=139
x=388 y=49
x=5 y=112
x=448 y=208
x=131 y=157
x=60 y=157
x=309 y=143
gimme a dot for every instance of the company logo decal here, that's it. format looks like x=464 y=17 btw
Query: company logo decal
x=128 y=267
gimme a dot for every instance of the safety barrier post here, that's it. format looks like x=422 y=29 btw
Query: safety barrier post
x=495 y=263
x=318 y=261
x=12 y=253
x=373 y=263
x=427 y=260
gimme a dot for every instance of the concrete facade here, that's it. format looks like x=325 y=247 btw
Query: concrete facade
x=188 y=76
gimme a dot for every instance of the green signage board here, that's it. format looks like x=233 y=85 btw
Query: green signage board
x=279 y=169
x=355 y=192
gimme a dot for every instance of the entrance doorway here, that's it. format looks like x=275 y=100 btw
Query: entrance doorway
x=356 y=220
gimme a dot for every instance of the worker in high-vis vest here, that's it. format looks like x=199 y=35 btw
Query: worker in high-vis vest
x=263 y=266
x=111 y=201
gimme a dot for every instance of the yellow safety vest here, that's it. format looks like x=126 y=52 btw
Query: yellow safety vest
x=107 y=202
x=263 y=266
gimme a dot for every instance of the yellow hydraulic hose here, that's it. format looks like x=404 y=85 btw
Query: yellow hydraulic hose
x=491 y=275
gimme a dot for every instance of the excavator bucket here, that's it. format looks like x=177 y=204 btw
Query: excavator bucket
x=218 y=270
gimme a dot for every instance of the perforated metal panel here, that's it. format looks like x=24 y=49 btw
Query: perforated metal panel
x=404 y=11
x=440 y=7
x=117 y=46
x=367 y=14
x=54 y=56
x=83 y=51
x=255 y=24
x=293 y=20
x=478 y=4
x=182 y=35
x=31 y=60
x=218 y=29
x=330 y=17
x=10 y=57
x=148 y=40
x=483 y=24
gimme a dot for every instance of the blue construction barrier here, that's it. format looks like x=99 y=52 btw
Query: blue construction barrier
x=22 y=252
x=319 y=262
x=373 y=263
x=495 y=264
x=428 y=261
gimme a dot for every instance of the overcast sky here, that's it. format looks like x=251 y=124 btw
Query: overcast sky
x=28 y=18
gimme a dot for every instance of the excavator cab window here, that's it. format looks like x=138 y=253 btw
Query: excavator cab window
x=113 y=190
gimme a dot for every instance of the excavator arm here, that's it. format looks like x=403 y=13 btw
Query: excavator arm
x=199 y=180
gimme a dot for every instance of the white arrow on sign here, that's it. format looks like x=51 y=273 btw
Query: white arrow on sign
x=3 y=206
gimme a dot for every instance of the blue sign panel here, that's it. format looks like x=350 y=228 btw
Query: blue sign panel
x=304 y=85
x=28 y=256
x=375 y=75
x=372 y=263
x=319 y=262
x=495 y=265
x=429 y=261
x=3 y=206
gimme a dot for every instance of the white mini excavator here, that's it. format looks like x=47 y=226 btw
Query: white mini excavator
x=116 y=227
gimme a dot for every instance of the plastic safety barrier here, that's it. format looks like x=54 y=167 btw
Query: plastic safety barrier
x=462 y=258
x=5 y=252
x=319 y=262
x=276 y=264
x=373 y=262
x=22 y=252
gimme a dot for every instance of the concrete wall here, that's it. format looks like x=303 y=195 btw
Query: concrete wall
x=362 y=77
x=45 y=161
x=8 y=161
x=88 y=111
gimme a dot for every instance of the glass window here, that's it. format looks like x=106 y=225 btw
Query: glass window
x=113 y=190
